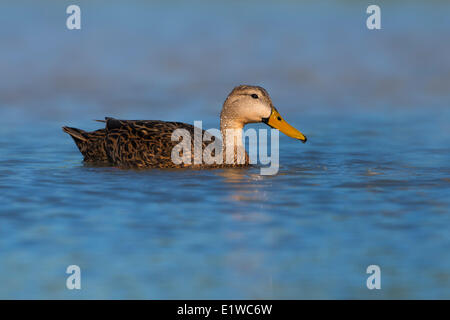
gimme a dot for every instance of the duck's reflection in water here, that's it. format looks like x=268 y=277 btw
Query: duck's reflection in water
x=246 y=193
x=243 y=185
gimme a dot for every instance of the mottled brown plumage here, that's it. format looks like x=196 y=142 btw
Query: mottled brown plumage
x=135 y=144
x=90 y=144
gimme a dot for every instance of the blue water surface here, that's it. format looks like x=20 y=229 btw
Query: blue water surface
x=371 y=186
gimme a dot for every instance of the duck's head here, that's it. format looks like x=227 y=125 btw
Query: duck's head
x=252 y=104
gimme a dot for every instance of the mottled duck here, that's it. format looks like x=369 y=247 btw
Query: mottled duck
x=149 y=143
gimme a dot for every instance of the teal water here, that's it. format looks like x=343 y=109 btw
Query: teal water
x=371 y=186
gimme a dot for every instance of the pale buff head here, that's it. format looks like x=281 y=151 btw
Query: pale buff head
x=252 y=104
x=245 y=104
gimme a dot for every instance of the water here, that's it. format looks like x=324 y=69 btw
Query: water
x=371 y=186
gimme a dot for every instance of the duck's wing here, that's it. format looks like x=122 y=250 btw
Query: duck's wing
x=142 y=143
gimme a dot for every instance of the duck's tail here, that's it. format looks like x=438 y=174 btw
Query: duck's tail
x=77 y=134
x=90 y=144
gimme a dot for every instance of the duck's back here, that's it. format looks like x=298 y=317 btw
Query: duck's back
x=132 y=143
x=142 y=143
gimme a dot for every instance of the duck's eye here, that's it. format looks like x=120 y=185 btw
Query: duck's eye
x=279 y=118
x=254 y=96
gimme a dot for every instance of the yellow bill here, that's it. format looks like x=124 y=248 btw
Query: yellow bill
x=277 y=122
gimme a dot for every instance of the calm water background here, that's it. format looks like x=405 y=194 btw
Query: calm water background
x=371 y=186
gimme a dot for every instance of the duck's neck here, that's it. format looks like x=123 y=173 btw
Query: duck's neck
x=232 y=143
